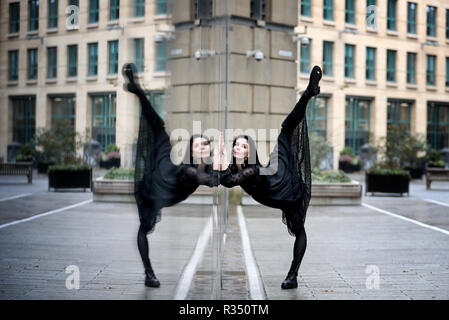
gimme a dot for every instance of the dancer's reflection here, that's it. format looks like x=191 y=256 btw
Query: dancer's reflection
x=158 y=183
x=286 y=182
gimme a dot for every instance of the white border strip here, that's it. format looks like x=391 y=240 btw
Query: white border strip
x=186 y=278
x=406 y=219
x=437 y=202
x=256 y=289
x=15 y=197
x=45 y=214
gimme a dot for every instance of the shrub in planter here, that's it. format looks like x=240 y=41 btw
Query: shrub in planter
x=110 y=158
x=70 y=176
x=348 y=161
x=120 y=174
x=329 y=176
x=27 y=152
x=434 y=159
x=387 y=180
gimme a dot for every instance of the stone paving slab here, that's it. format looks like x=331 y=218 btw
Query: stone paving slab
x=100 y=239
x=342 y=242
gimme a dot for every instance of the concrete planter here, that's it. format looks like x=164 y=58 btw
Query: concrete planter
x=106 y=190
x=327 y=194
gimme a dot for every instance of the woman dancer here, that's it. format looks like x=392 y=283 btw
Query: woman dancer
x=158 y=183
x=286 y=182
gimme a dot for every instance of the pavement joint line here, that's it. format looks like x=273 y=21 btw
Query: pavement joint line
x=15 y=197
x=185 y=281
x=256 y=288
x=46 y=213
x=405 y=218
x=437 y=202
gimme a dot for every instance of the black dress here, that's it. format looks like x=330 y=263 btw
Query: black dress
x=286 y=181
x=158 y=183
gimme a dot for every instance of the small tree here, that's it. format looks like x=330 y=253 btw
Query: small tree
x=400 y=148
x=319 y=148
x=59 y=143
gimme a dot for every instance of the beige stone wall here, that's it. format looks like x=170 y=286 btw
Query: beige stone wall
x=129 y=28
x=320 y=30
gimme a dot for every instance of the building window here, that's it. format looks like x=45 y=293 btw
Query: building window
x=93 y=11
x=328 y=10
x=161 y=6
x=431 y=21
x=52 y=64
x=104 y=118
x=113 y=57
x=72 y=56
x=24 y=119
x=447 y=23
x=317 y=115
x=139 y=54
x=371 y=9
x=438 y=125
x=52 y=14
x=74 y=3
x=156 y=98
x=63 y=109
x=258 y=9
x=411 y=68
x=161 y=57
x=349 y=60
x=92 y=49
x=430 y=72
x=370 y=63
x=139 y=8
x=447 y=72
x=13 y=65
x=114 y=9
x=14 y=17
x=304 y=64
x=202 y=9
x=350 y=11
x=391 y=65
x=32 y=64
x=411 y=17
x=33 y=15
x=357 y=124
x=306 y=8
x=399 y=114
x=391 y=15
x=328 y=53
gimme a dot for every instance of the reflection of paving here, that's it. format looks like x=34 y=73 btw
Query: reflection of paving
x=100 y=239
x=342 y=241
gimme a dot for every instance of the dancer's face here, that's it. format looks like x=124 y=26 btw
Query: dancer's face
x=241 y=149
x=200 y=148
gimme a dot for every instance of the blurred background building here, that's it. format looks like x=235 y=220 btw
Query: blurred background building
x=385 y=62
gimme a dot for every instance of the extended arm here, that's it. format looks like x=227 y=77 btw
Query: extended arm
x=247 y=175
x=191 y=175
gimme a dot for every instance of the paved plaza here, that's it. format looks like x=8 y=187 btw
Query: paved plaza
x=388 y=248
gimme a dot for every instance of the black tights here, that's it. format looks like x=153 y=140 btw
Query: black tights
x=142 y=244
x=299 y=249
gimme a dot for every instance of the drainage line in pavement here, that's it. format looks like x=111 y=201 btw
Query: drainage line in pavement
x=406 y=219
x=186 y=279
x=45 y=214
x=256 y=288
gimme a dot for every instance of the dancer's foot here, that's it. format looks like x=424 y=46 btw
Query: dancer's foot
x=131 y=84
x=290 y=281
x=150 y=279
x=315 y=76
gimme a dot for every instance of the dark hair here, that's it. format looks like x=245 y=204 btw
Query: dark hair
x=253 y=158
x=188 y=157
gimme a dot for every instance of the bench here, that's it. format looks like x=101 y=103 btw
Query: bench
x=436 y=174
x=17 y=169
